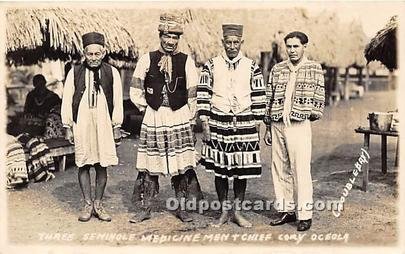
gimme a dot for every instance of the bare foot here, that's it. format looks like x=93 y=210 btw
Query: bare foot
x=222 y=219
x=184 y=216
x=241 y=221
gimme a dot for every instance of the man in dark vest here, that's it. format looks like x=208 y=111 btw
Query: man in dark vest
x=92 y=113
x=164 y=88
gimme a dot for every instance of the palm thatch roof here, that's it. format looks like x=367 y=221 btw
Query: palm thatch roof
x=383 y=47
x=55 y=33
x=329 y=38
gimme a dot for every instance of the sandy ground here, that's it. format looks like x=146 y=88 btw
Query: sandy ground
x=46 y=213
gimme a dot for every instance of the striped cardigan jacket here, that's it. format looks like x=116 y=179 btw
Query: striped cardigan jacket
x=308 y=95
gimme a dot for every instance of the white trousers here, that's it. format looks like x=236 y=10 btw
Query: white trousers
x=291 y=167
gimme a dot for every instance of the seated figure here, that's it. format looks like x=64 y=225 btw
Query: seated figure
x=38 y=105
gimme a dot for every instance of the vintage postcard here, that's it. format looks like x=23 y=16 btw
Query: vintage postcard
x=201 y=126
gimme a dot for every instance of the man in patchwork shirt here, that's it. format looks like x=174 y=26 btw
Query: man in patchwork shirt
x=295 y=96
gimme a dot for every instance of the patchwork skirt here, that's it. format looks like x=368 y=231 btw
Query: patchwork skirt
x=233 y=151
x=40 y=163
x=166 y=145
x=16 y=169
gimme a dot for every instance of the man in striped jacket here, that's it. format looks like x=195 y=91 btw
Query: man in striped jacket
x=295 y=96
x=231 y=105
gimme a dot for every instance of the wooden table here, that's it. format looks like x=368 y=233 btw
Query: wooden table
x=367 y=132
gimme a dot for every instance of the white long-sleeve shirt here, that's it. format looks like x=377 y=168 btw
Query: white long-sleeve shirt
x=137 y=92
x=93 y=130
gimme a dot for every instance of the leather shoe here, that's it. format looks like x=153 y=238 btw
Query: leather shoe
x=86 y=212
x=304 y=225
x=285 y=217
x=100 y=212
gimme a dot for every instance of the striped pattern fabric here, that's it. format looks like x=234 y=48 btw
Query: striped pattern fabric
x=233 y=151
x=258 y=93
x=39 y=163
x=16 y=173
x=309 y=94
x=206 y=82
x=204 y=90
x=166 y=145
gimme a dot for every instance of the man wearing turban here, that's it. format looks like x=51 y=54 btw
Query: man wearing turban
x=92 y=113
x=164 y=88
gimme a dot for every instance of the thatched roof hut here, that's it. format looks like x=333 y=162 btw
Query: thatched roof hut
x=199 y=38
x=55 y=33
x=383 y=47
x=262 y=27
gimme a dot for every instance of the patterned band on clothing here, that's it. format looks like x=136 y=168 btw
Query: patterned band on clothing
x=166 y=144
x=233 y=151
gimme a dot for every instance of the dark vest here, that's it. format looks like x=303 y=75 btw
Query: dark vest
x=155 y=80
x=106 y=79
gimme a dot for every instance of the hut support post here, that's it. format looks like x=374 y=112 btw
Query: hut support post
x=328 y=86
x=265 y=59
x=346 y=91
x=360 y=75
x=367 y=80
x=391 y=80
x=334 y=71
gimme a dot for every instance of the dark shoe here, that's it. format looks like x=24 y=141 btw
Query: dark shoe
x=304 y=225
x=285 y=217
x=99 y=211
x=143 y=215
x=241 y=221
x=222 y=219
x=184 y=216
x=86 y=212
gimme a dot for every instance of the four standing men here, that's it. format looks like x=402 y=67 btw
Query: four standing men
x=232 y=102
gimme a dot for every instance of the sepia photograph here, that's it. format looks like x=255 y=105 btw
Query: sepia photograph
x=201 y=126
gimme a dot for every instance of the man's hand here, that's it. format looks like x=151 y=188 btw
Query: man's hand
x=69 y=135
x=117 y=135
x=258 y=129
x=193 y=131
x=206 y=131
x=286 y=120
x=267 y=137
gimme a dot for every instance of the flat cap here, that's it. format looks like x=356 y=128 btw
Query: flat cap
x=93 y=38
x=232 y=29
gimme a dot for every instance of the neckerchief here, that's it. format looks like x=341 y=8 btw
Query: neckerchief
x=165 y=64
x=96 y=75
x=232 y=64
